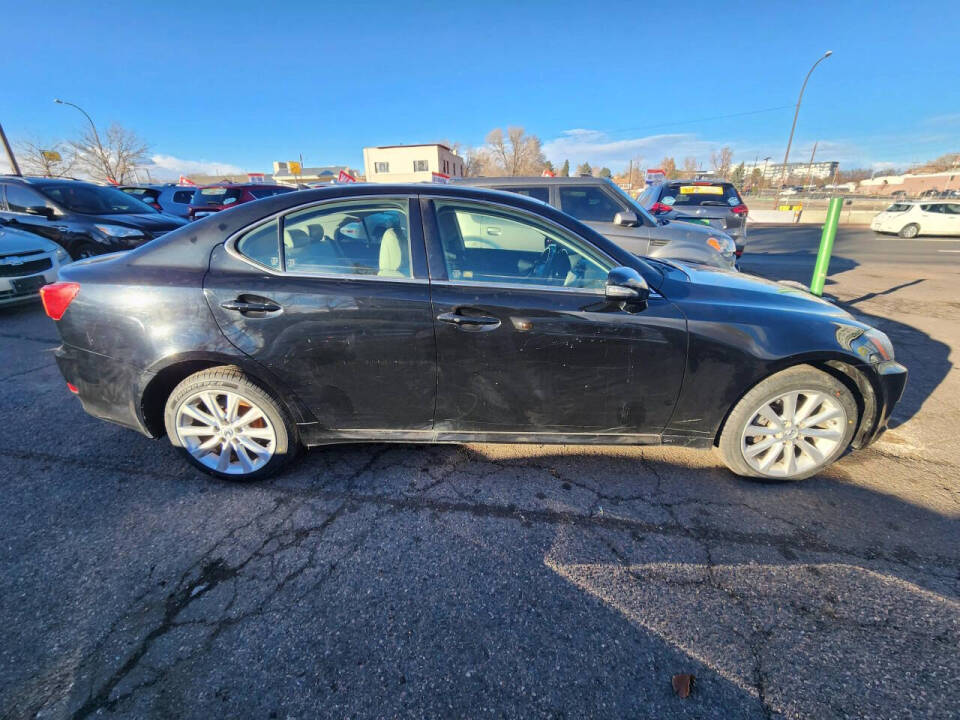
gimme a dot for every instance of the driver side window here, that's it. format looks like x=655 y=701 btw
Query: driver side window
x=491 y=245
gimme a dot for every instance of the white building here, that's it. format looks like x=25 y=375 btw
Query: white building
x=411 y=163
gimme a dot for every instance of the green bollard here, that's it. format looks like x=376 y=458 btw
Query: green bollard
x=826 y=246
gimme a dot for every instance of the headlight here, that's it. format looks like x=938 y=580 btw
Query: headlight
x=723 y=245
x=62 y=256
x=872 y=345
x=119 y=231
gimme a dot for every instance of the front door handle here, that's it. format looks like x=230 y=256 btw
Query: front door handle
x=247 y=306
x=470 y=322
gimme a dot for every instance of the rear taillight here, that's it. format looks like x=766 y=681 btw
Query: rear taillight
x=156 y=206
x=72 y=388
x=57 y=297
x=740 y=209
x=659 y=207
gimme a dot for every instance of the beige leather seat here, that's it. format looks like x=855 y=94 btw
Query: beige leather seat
x=393 y=261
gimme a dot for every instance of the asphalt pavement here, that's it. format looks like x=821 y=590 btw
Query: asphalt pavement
x=492 y=580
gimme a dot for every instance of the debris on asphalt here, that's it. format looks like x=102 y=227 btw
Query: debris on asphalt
x=682 y=684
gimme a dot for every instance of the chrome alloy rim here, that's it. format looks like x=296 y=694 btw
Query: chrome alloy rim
x=226 y=432
x=793 y=433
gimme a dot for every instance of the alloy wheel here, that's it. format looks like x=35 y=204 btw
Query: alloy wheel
x=796 y=432
x=226 y=432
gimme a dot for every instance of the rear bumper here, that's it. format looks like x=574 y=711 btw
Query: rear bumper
x=107 y=388
x=892 y=380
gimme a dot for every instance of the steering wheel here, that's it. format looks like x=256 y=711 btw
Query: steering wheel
x=545 y=266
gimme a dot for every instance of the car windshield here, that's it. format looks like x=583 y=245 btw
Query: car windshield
x=700 y=194
x=94 y=200
x=634 y=205
x=898 y=207
x=217 y=196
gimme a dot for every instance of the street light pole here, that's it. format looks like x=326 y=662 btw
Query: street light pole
x=796 y=112
x=10 y=155
x=96 y=135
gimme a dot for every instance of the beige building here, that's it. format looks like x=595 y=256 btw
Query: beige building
x=411 y=163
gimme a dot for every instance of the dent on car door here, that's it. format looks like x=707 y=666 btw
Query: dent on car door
x=597 y=208
x=334 y=300
x=527 y=342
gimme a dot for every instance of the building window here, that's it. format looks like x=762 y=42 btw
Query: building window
x=420 y=166
x=381 y=167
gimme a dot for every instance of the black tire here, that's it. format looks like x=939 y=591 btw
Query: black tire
x=229 y=379
x=799 y=378
x=85 y=250
x=909 y=231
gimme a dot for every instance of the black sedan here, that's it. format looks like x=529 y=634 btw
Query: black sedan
x=412 y=313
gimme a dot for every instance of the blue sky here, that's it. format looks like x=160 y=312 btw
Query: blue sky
x=240 y=84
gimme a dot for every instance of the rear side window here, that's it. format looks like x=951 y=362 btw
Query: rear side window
x=540 y=192
x=184 y=197
x=588 y=203
x=262 y=245
x=700 y=195
x=351 y=238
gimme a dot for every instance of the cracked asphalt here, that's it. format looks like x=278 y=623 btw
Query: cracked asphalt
x=490 y=580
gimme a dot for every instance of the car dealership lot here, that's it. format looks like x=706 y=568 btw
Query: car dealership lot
x=493 y=580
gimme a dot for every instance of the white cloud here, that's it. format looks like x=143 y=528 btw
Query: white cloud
x=598 y=148
x=169 y=167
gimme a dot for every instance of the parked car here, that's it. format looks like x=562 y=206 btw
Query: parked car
x=171 y=199
x=602 y=205
x=214 y=198
x=27 y=262
x=389 y=313
x=83 y=218
x=910 y=219
x=715 y=204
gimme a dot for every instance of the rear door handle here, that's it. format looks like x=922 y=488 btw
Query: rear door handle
x=470 y=322
x=247 y=306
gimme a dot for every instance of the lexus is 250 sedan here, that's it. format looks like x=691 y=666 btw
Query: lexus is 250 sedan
x=391 y=313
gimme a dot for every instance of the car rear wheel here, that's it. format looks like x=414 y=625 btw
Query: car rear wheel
x=229 y=426
x=909 y=231
x=790 y=426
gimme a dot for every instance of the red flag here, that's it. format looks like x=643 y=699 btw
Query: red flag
x=345 y=177
x=547 y=173
x=184 y=180
x=112 y=181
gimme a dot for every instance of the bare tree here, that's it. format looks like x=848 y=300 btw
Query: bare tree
x=49 y=159
x=113 y=156
x=515 y=153
x=669 y=167
x=690 y=166
x=722 y=160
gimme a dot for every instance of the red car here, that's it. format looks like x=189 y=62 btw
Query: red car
x=214 y=198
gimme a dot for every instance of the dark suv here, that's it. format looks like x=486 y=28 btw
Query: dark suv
x=214 y=198
x=709 y=202
x=83 y=218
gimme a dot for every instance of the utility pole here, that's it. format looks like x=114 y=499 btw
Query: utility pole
x=764 y=175
x=630 y=177
x=104 y=161
x=10 y=155
x=786 y=155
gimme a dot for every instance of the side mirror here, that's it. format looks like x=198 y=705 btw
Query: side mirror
x=626 y=218
x=626 y=284
x=41 y=210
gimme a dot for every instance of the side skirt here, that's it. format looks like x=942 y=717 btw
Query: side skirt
x=313 y=437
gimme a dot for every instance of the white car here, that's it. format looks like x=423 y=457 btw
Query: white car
x=924 y=217
x=27 y=263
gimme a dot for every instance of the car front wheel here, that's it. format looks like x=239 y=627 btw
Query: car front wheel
x=910 y=231
x=229 y=426
x=790 y=426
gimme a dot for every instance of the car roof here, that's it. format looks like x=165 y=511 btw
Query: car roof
x=695 y=182
x=241 y=186
x=530 y=180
